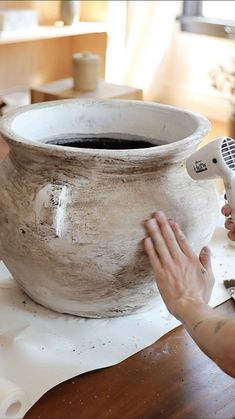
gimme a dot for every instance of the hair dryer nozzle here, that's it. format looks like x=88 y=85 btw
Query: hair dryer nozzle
x=228 y=152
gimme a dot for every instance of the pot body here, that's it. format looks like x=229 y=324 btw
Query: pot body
x=72 y=219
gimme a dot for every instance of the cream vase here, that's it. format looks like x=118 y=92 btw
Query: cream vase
x=71 y=218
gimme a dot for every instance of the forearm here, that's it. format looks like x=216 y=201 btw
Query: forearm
x=185 y=282
x=214 y=334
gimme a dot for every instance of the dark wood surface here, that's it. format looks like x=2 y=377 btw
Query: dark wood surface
x=170 y=379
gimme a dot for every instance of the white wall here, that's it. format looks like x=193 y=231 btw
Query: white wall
x=183 y=78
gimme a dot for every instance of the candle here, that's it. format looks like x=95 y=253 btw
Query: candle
x=86 y=71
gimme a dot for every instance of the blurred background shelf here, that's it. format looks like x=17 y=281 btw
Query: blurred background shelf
x=47 y=55
x=50 y=32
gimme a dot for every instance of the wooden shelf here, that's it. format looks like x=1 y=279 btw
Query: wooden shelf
x=50 y=32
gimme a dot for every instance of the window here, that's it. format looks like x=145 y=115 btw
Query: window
x=219 y=9
x=215 y=18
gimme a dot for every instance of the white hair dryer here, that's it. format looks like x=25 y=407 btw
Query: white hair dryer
x=216 y=160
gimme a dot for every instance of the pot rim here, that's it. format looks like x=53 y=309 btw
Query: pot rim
x=202 y=129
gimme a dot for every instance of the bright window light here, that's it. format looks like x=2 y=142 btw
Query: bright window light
x=219 y=9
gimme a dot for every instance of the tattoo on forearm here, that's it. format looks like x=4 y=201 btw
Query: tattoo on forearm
x=197 y=324
x=219 y=325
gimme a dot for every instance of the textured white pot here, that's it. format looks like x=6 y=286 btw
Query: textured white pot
x=71 y=219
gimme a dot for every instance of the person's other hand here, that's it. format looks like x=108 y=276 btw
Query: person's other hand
x=181 y=276
x=229 y=223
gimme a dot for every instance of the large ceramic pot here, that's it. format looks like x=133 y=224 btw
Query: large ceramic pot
x=71 y=218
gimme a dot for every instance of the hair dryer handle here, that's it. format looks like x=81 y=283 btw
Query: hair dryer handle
x=230 y=194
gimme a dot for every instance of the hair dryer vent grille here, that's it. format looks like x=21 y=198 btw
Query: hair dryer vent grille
x=228 y=152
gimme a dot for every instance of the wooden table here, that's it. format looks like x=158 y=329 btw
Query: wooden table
x=63 y=89
x=170 y=379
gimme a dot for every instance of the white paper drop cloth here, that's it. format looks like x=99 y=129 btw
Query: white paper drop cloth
x=40 y=348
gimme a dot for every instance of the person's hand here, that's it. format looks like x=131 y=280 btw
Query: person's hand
x=182 y=277
x=229 y=223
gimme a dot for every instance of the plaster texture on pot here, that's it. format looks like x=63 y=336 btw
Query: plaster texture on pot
x=72 y=218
